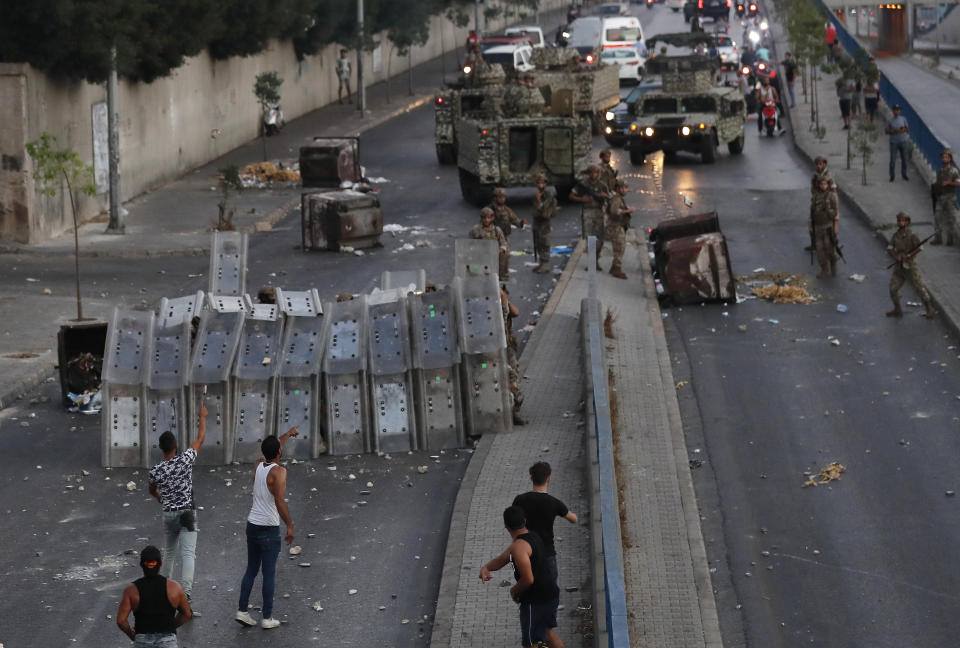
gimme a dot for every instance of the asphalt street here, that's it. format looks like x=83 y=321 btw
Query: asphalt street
x=773 y=392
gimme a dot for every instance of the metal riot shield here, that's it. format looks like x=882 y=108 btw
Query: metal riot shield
x=436 y=375
x=254 y=384
x=344 y=364
x=123 y=434
x=228 y=263
x=484 y=364
x=164 y=397
x=391 y=391
x=174 y=311
x=414 y=281
x=475 y=258
x=210 y=365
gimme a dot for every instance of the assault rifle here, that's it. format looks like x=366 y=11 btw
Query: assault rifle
x=913 y=251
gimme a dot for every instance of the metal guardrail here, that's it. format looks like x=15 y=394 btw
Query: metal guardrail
x=615 y=601
x=925 y=140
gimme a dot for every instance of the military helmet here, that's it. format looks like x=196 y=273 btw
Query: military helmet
x=947 y=151
x=540 y=176
x=486 y=211
x=499 y=191
x=593 y=168
x=619 y=184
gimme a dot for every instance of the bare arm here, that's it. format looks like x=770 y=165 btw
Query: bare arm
x=277 y=484
x=497 y=563
x=155 y=492
x=126 y=607
x=179 y=600
x=571 y=517
x=292 y=432
x=201 y=429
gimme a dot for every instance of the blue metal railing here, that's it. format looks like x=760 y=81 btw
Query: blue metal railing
x=925 y=140
x=613 y=573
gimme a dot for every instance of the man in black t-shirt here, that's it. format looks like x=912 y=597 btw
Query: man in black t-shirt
x=541 y=508
x=535 y=591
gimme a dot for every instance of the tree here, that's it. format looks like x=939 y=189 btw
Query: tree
x=409 y=25
x=266 y=89
x=865 y=134
x=229 y=181
x=54 y=167
x=250 y=24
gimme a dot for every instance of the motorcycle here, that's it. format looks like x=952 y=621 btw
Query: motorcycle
x=769 y=112
x=272 y=119
x=741 y=9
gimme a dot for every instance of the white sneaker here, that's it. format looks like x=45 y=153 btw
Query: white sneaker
x=266 y=624
x=244 y=618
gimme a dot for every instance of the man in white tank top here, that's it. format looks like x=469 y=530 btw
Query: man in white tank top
x=263 y=529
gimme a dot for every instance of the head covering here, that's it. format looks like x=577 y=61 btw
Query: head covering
x=486 y=211
x=620 y=184
x=593 y=168
x=903 y=215
x=819 y=158
x=499 y=191
x=897 y=107
x=606 y=151
x=150 y=557
x=947 y=151
x=540 y=177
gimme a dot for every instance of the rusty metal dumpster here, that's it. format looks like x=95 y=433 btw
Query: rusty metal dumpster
x=333 y=219
x=695 y=269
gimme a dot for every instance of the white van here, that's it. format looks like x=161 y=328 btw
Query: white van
x=621 y=31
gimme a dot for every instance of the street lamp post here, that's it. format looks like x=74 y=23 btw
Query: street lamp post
x=115 y=225
x=361 y=90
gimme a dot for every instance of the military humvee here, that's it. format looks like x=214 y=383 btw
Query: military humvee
x=689 y=113
x=508 y=151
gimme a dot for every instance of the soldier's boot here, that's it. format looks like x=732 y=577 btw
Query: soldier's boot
x=617 y=272
x=896 y=312
x=517 y=419
x=824 y=271
x=833 y=268
x=929 y=312
x=938 y=239
x=543 y=267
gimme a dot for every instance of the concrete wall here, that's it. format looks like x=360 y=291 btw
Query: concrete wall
x=167 y=127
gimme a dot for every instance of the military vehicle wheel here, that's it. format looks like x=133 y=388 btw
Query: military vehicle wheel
x=736 y=146
x=474 y=192
x=637 y=157
x=708 y=150
x=446 y=154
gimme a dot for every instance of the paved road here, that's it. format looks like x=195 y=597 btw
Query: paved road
x=858 y=562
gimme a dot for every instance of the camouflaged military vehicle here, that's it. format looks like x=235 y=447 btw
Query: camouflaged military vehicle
x=594 y=87
x=689 y=113
x=478 y=95
x=528 y=136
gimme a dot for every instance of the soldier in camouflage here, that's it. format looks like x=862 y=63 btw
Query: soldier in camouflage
x=503 y=216
x=825 y=227
x=608 y=175
x=489 y=231
x=821 y=172
x=544 y=209
x=618 y=221
x=513 y=366
x=945 y=205
x=593 y=195
x=903 y=247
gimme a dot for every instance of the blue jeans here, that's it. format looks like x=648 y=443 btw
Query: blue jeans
x=155 y=640
x=263 y=549
x=896 y=147
x=176 y=535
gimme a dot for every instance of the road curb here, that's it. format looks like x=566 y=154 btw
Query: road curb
x=441 y=635
x=33 y=378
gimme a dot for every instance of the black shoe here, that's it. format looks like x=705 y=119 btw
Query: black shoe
x=906 y=178
x=891 y=179
x=846 y=127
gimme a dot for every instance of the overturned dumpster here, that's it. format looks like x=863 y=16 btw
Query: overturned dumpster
x=691 y=262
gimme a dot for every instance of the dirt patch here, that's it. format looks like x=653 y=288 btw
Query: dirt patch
x=21 y=356
x=617 y=465
x=608 y=321
x=269 y=172
x=783 y=294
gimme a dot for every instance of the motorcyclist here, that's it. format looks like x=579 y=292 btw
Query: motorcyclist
x=748 y=57
x=766 y=93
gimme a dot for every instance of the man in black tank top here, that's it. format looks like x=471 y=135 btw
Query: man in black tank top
x=158 y=604
x=535 y=590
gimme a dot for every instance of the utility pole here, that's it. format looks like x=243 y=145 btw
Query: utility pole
x=476 y=15
x=113 y=147
x=361 y=90
x=938 y=33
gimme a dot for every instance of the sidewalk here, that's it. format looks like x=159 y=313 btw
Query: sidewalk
x=879 y=200
x=667 y=579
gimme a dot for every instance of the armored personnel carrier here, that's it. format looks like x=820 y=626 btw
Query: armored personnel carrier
x=594 y=87
x=689 y=113
x=476 y=95
x=529 y=136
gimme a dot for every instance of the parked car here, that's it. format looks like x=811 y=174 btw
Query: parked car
x=630 y=61
x=533 y=32
x=511 y=57
x=716 y=9
x=675 y=5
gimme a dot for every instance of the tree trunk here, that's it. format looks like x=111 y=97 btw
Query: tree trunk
x=389 y=56
x=410 y=72
x=76 y=246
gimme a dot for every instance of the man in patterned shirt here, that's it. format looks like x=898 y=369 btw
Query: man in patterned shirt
x=171 y=482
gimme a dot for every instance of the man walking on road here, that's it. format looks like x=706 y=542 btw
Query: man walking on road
x=159 y=606
x=541 y=509
x=790 y=72
x=263 y=529
x=343 y=76
x=171 y=482
x=903 y=247
x=945 y=207
x=535 y=589
x=899 y=131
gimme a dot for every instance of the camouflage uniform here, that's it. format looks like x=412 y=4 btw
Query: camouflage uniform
x=904 y=241
x=513 y=365
x=608 y=175
x=493 y=233
x=616 y=230
x=544 y=209
x=823 y=213
x=945 y=211
x=592 y=222
x=505 y=218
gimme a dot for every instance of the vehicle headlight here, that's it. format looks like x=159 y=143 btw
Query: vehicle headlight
x=633 y=128
x=565 y=34
x=610 y=116
x=754 y=37
x=648 y=131
x=685 y=130
x=467 y=69
x=702 y=126
x=764 y=25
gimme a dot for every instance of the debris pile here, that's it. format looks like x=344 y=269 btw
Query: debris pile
x=783 y=293
x=827 y=474
x=260 y=172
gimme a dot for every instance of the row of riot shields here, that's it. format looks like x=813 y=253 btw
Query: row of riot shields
x=400 y=369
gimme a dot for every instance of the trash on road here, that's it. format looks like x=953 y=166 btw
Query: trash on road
x=842 y=308
x=859 y=278
x=783 y=294
x=830 y=472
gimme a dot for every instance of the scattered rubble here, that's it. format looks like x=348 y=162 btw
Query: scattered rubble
x=830 y=472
